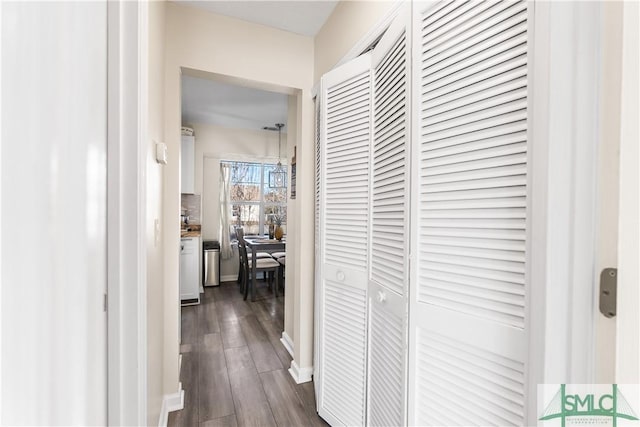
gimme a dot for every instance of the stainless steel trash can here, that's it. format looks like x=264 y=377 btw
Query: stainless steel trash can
x=211 y=263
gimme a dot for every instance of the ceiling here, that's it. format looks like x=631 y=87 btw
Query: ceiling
x=231 y=106
x=304 y=17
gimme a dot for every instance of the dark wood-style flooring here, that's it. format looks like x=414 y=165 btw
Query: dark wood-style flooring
x=234 y=367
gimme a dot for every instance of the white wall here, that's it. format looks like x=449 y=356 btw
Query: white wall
x=216 y=143
x=155 y=284
x=261 y=57
x=53 y=192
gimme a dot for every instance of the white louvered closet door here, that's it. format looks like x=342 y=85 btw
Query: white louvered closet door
x=468 y=336
x=388 y=277
x=344 y=224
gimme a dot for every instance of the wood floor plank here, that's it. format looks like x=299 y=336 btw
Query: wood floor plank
x=188 y=348
x=214 y=390
x=306 y=392
x=275 y=308
x=207 y=318
x=274 y=333
x=308 y=396
x=252 y=407
x=261 y=311
x=226 y=291
x=269 y=306
x=225 y=310
x=189 y=324
x=232 y=335
x=286 y=405
x=242 y=308
x=213 y=342
x=283 y=354
x=228 y=421
x=208 y=295
x=262 y=351
x=188 y=416
x=252 y=414
x=243 y=376
x=273 y=328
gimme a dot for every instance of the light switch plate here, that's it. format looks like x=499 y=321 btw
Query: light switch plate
x=156 y=232
x=161 y=153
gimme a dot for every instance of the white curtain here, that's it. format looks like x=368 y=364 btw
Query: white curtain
x=225 y=211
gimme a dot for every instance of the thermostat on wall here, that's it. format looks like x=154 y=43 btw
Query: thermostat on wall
x=161 y=153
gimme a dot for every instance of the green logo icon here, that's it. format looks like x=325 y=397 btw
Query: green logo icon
x=565 y=405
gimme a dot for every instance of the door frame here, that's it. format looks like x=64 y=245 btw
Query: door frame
x=563 y=189
x=628 y=343
x=127 y=101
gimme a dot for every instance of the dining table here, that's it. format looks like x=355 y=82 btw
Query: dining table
x=261 y=244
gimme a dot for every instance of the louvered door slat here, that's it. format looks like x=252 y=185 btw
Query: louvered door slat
x=458 y=22
x=344 y=228
x=468 y=338
x=473 y=99
x=347 y=89
x=502 y=23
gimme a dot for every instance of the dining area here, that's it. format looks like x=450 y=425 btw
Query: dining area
x=260 y=254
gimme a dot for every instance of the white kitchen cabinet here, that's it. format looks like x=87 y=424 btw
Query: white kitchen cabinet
x=187 y=164
x=189 y=270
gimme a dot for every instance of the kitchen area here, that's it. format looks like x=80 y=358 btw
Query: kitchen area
x=199 y=259
x=225 y=124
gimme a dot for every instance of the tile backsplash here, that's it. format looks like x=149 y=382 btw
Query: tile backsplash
x=190 y=205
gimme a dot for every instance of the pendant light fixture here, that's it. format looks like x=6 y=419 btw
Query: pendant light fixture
x=278 y=176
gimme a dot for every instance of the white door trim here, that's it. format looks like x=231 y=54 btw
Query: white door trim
x=628 y=334
x=126 y=204
x=563 y=192
x=1 y=212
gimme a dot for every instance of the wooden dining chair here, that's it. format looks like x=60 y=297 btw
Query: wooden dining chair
x=259 y=255
x=265 y=265
x=280 y=281
x=277 y=255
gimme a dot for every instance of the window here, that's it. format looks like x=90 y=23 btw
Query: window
x=254 y=205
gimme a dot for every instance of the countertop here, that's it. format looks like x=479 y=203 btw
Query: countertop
x=190 y=231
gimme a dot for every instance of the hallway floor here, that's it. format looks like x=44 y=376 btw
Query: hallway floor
x=234 y=367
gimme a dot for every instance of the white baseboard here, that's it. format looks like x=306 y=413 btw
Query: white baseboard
x=300 y=375
x=287 y=342
x=171 y=402
x=229 y=278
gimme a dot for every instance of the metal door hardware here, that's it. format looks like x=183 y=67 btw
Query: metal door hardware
x=608 y=291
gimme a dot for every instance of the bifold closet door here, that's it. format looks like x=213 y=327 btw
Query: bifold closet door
x=468 y=303
x=343 y=204
x=388 y=277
